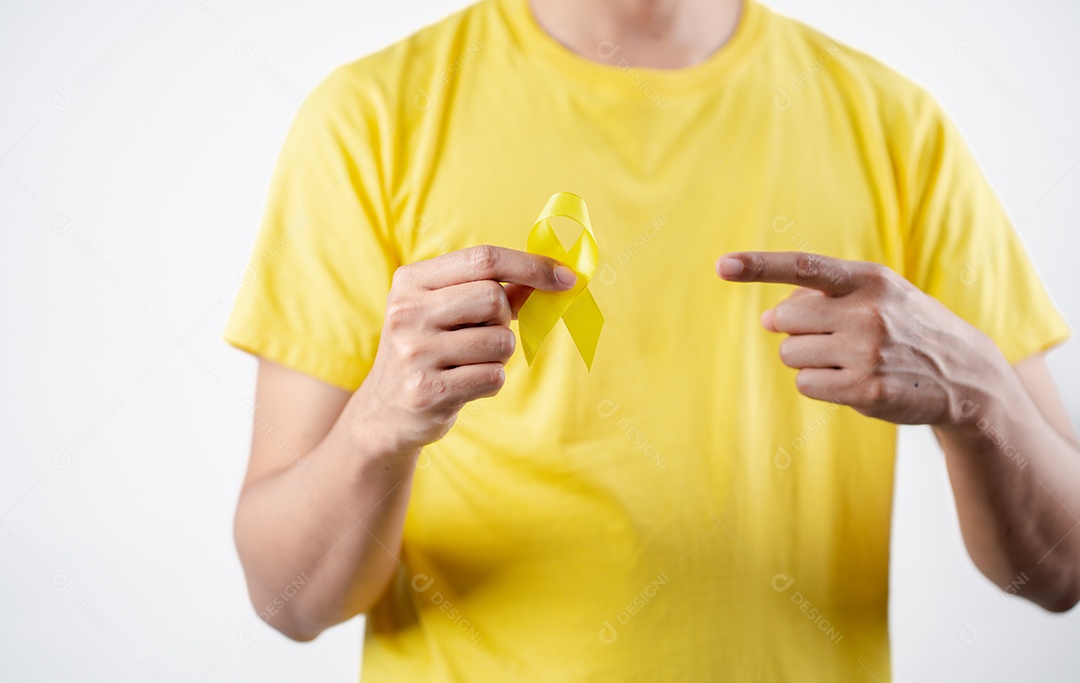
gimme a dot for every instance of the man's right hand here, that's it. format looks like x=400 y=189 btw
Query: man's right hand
x=445 y=339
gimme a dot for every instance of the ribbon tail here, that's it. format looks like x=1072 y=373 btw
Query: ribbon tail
x=535 y=323
x=584 y=322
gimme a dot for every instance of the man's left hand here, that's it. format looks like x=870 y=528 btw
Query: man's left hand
x=863 y=336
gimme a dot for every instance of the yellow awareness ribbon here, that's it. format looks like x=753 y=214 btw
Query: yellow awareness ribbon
x=576 y=306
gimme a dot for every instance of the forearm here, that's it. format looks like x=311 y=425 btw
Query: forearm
x=320 y=541
x=1016 y=480
x=334 y=524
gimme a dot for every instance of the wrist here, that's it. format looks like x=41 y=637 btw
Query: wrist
x=374 y=435
x=983 y=394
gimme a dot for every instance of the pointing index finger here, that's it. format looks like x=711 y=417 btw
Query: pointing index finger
x=823 y=273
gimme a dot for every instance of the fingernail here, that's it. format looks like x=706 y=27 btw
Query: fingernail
x=565 y=275
x=730 y=267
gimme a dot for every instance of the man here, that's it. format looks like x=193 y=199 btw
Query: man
x=652 y=518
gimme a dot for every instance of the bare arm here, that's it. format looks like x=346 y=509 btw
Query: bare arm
x=307 y=515
x=1015 y=473
x=863 y=336
x=319 y=520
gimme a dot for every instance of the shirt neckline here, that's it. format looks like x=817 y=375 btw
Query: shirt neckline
x=538 y=43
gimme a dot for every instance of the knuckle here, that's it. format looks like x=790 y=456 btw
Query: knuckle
x=413 y=392
x=400 y=311
x=496 y=378
x=755 y=265
x=445 y=419
x=506 y=342
x=808 y=266
x=904 y=293
x=401 y=275
x=874 y=392
x=877 y=355
x=486 y=382
x=426 y=390
x=879 y=274
x=504 y=313
x=871 y=353
x=543 y=270
x=875 y=309
x=494 y=299
x=483 y=258
x=409 y=350
x=876 y=324
x=436 y=388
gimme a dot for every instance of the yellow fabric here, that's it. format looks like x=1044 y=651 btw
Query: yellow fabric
x=680 y=512
x=543 y=310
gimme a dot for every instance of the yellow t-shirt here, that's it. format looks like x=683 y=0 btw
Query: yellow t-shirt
x=681 y=512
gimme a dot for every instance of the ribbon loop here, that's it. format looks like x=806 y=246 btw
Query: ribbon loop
x=576 y=306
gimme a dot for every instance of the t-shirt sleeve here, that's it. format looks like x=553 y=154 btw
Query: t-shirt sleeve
x=313 y=295
x=963 y=248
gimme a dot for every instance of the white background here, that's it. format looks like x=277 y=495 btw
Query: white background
x=136 y=144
